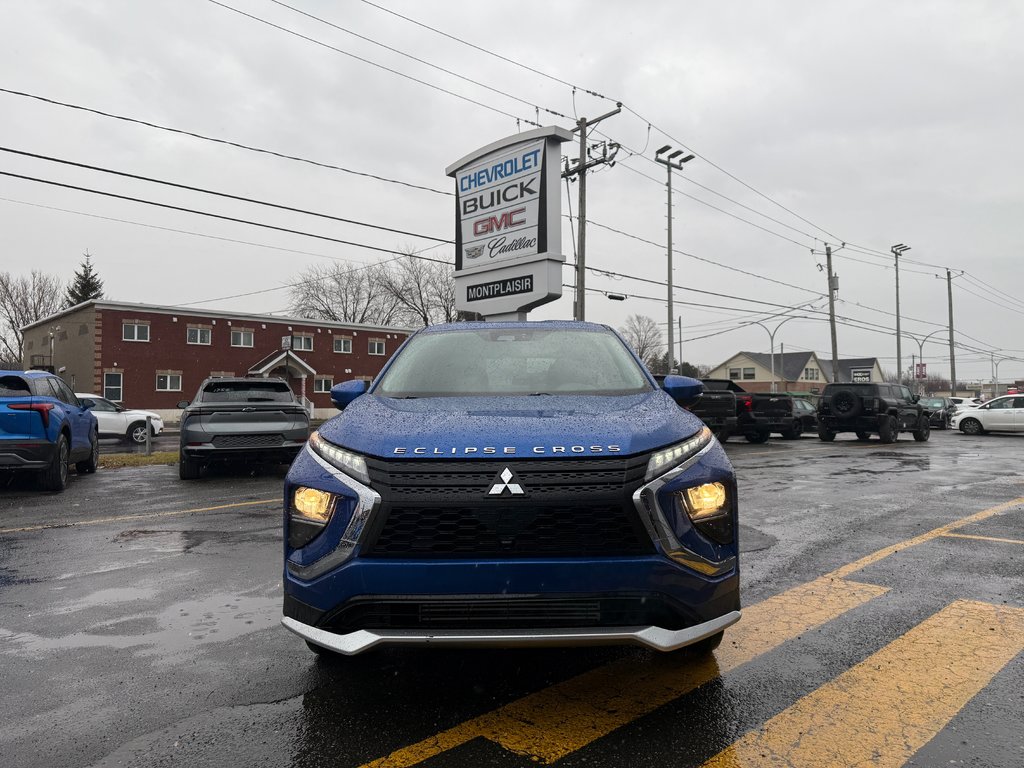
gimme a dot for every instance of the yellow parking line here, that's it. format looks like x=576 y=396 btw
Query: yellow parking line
x=141 y=516
x=883 y=710
x=563 y=718
x=982 y=538
x=942 y=530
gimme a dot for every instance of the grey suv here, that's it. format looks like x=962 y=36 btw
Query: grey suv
x=240 y=419
x=867 y=409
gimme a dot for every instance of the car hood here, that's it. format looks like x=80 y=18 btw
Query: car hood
x=544 y=425
x=134 y=412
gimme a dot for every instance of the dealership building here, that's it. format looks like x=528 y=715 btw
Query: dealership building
x=151 y=357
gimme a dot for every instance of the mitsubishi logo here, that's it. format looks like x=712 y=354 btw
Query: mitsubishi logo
x=503 y=482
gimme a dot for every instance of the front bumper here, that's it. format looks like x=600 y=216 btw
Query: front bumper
x=324 y=579
x=653 y=637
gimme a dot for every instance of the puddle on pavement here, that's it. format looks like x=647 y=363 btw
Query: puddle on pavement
x=105 y=597
x=171 y=632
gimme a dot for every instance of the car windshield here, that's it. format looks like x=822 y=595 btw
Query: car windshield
x=516 y=361
x=246 y=392
x=932 y=402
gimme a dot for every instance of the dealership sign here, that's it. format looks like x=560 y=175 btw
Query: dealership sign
x=508 y=255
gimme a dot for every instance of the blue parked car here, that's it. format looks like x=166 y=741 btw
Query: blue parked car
x=44 y=427
x=512 y=484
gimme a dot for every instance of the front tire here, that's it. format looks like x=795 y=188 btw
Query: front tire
x=707 y=645
x=971 y=427
x=888 y=429
x=826 y=434
x=757 y=437
x=89 y=466
x=863 y=436
x=136 y=433
x=55 y=476
x=924 y=430
x=188 y=469
x=722 y=435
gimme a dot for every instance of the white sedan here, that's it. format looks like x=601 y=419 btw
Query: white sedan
x=1003 y=414
x=117 y=421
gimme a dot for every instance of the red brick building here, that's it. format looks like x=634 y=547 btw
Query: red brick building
x=152 y=357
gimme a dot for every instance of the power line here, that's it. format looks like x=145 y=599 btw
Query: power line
x=227 y=142
x=371 y=63
x=419 y=60
x=201 y=234
x=227 y=195
x=210 y=215
x=488 y=52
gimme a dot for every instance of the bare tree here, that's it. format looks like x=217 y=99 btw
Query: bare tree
x=644 y=337
x=344 y=294
x=23 y=300
x=425 y=290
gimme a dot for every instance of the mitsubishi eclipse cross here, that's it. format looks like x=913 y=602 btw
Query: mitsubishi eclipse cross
x=512 y=484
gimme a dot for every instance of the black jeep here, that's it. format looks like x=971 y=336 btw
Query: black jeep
x=866 y=409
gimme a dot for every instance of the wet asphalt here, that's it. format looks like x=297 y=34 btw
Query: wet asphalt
x=139 y=621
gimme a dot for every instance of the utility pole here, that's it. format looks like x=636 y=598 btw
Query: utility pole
x=580 y=169
x=896 y=251
x=670 y=162
x=952 y=351
x=833 y=287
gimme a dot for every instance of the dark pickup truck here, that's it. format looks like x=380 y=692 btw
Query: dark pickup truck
x=757 y=414
x=717 y=409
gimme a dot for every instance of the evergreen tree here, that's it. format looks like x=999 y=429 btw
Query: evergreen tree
x=86 y=284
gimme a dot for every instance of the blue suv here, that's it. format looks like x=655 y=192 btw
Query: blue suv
x=512 y=484
x=44 y=427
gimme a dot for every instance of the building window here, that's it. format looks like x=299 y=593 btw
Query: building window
x=302 y=343
x=135 y=331
x=343 y=345
x=112 y=389
x=198 y=336
x=168 y=382
x=734 y=373
x=748 y=373
x=811 y=374
x=376 y=346
x=323 y=384
x=241 y=338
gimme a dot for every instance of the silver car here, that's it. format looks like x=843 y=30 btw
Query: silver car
x=251 y=420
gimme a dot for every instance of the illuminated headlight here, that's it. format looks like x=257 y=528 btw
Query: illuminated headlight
x=313 y=505
x=667 y=458
x=351 y=463
x=709 y=510
x=309 y=512
x=705 y=500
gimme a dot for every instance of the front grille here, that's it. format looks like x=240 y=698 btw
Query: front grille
x=571 y=508
x=247 y=441
x=508 y=612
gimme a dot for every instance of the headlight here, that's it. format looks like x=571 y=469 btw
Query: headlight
x=709 y=510
x=667 y=458
x=705 y=500
x=349 y=462
x=309 y=512
x=313 y=505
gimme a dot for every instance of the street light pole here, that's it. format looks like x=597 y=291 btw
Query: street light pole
x=920 y=351
x=670 y=162
x=771 y=340
x=896 y=251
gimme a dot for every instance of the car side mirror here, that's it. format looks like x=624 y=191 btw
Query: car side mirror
x=916 y=398
x=343 y=394
x=87 y=403
x=183 y=404
x=684 y=390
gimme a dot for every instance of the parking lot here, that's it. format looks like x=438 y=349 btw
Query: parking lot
x=883 y=624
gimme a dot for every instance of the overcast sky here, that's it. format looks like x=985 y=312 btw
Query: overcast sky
x=874 y=123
